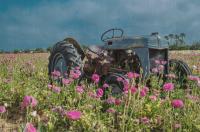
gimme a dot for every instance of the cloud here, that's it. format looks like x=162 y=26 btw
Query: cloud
x=45 y=23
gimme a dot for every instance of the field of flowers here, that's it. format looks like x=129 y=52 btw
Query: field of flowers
x=28 y=102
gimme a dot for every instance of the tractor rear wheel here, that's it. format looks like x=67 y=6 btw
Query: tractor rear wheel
x=63 y=58
x=180 y=69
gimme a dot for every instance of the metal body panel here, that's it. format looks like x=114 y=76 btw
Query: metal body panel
x=125 y=43
x=143 y=54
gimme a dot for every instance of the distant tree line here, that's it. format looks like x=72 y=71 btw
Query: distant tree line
x=176 y=39
x=194 y=46
x=37 y=50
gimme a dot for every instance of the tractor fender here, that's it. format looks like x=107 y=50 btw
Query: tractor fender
x=76 y=45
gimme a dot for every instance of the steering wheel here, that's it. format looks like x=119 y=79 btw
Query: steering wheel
x=111 y=33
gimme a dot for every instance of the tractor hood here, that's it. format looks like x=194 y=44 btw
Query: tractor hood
x=155 y=42
x=125 y=43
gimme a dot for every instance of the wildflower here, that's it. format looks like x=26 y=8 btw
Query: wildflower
x=133 y=90
x=176 y=126
x=142 y=93
x=79 y=89
x=155 y=70
x=56 y=73
x=153 y=98
x=168 y=86
x=146 y=89
x=99 y=92
x=66 y=81
x=130 y=75
x=95 y=78
x=117 y=101
x=161 y=68
x=144 y=120
x=194 y=67
x=110 y=100
x=119 y=79
x=77 y=68
x=111 y=110
x=198 y=82
x=2 y=109
x=73 y=115
x=75 y=74
x=177 y=103
x=171 y=76
x=91 y=94
x=34 y=113
x=193 y=78
x=105 y=85
x=157 y=62
x=50 y=86
x=163 y=62
x=56 y=89
x=29 y=101
x=30 y=128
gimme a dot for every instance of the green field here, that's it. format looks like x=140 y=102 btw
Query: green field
x=26 y=75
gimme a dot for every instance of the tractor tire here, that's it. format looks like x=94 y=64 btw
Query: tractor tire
x=63 y=58
x=181 y=70
x=116 y=87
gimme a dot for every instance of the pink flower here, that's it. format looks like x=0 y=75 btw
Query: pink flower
x=157 y=62
x=79 y=89
x=163 y=62
x=50 y=86
x=133 y=90
x=30 y=128
x=56 y=73
x=176 y=126
x=171 y=76
x=144 y=120
x=56 y=89
x=136 y=75
x=155 y=70
x=161 y=68
x=105 y=85
x=168 y=86
x=66 y=81
x=131 y=75
x=193 y=78
x=75 y=74
x=119 y=79
x=91 y=94
x=73 y=115
x=2 y=109
x=110 y=100
x=146 y=89
x=111 y=110
x=95 y=78
x=117 y=101
x=28 y=101
x=153 y=98
x=177 y=103
x=143 y=93
x=99 y=92
x=198 y=82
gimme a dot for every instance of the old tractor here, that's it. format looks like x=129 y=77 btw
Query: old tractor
x=118 y=55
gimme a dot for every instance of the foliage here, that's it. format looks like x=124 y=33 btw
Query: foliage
x=50 y=107
x=194 y=46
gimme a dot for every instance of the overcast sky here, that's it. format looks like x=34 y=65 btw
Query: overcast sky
x=40 y=23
